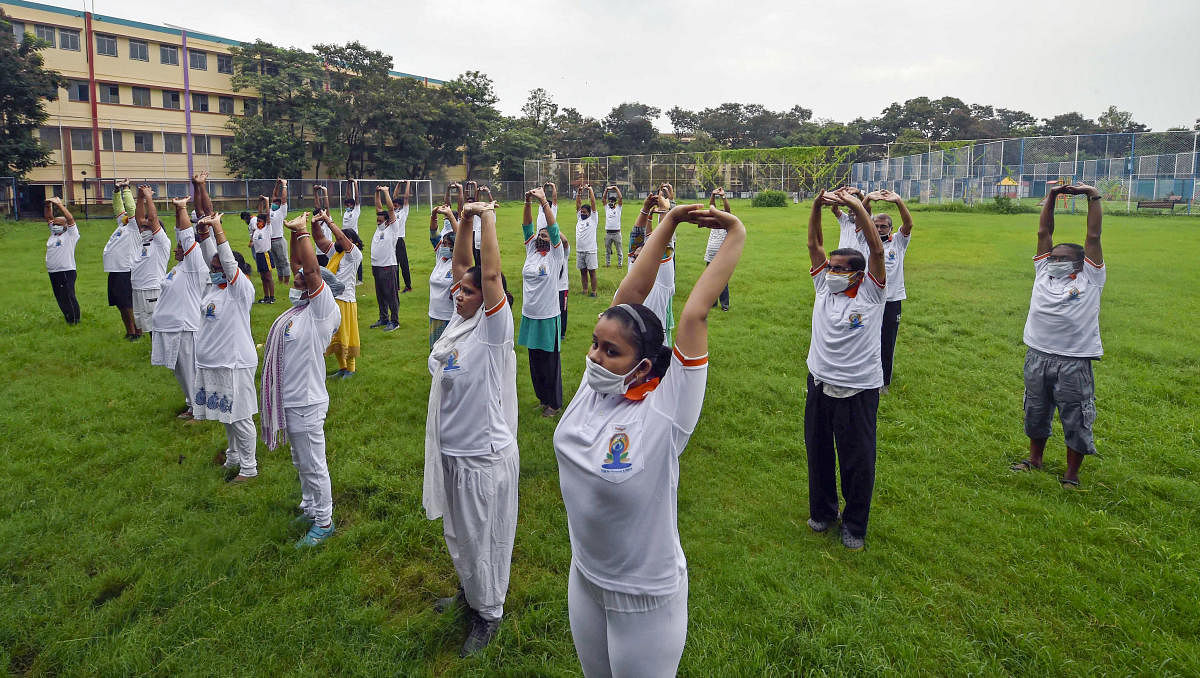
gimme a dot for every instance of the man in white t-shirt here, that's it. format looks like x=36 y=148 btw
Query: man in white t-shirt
x=587 y=259
x=279 y=245
x=1062 y=333
x=612 y=224
x=60 y=258
x=350 y=211
x=383 y=261
x=400 y=205
x=118 y=256
x=844 y=374
x=149 y=262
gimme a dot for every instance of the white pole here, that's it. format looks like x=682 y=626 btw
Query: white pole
x=1075 y=166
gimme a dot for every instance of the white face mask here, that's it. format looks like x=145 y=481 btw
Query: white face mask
x=1060 y=269
x=603 y=381
x=296 y=296
x=444 y=252
x=56 y=229
x=837 y=282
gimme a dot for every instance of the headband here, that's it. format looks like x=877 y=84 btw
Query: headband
x=637 y=318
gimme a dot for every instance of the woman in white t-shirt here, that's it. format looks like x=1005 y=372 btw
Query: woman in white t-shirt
x=294 y=398
x=60 y=258
x=177 y=313
x=225 y=355
x=441 y=278
x=471 y=457
x=618 y=447
x=540 y=311
x=343 y=254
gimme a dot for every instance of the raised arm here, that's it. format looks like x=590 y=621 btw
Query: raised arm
x=433 y=226
x=400 y=198
x=471 y=191
x=383 y=202
x=352 y=190
x=148 y=208
x=640 y=279
x=874 y=243
x=48 y=209
x=712 y=199
x=461 y=200
x=653 y=201
x=484 y=193
x=204 y=206
x=283 y=192
x=906 y=226
x=223 y=251
x=551 y=192
x=464 y=244
x=1045 y=234
x=489 y=252
x=317 y=194
x=182 y=221
x=579 y=199
x=620 y=198
x=121 y=194
x=275 y=191
x=1095 y=215
x=692 y=335
x=322 y=241
x=591 y=198
x=264 y=204
x=816 y=239
x=338 y=236
x=725 y=201
x=61 y=208
x=302 y=254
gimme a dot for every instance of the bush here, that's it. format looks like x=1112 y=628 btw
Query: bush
x=770 y=199
x=1003 y=204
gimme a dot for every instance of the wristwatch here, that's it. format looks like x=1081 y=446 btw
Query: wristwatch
x=1094 y=198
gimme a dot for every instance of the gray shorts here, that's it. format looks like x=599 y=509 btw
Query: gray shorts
x=279 y=255
x=587 y=261
x=1055 y=381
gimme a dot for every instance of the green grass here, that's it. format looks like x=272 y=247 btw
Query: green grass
x=123 y=553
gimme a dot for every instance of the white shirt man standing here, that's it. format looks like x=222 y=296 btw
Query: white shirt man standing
x=612 y=224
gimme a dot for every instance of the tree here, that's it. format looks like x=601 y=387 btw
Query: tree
x=24 y=82
x=540 y=110
x=359 y=81
x=683 y=122
x=515 y=141
x=471 y=102
x=1116 y=120
x=262 y=150
x=1067 y=123
x=630 y=129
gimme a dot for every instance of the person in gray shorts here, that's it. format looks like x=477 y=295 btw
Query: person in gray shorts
x=1062 y=333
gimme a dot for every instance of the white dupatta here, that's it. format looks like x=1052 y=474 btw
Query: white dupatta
x=433 y=489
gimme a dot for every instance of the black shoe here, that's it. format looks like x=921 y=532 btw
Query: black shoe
x=391 y=327
x=818 y=526
x=381 y=323
x=446 y=604
x=724 y=307
x=264 y=300
x=481 y=633
x=406 y=290
x=270 y=300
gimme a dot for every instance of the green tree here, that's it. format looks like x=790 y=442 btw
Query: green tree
x=24 y=83
x=262 y=150
x=360 y=85
x=1116 y=120
x=470 y=101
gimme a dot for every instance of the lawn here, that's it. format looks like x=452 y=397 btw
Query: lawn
x=122 y=552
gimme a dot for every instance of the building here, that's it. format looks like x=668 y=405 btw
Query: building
x=143 y=101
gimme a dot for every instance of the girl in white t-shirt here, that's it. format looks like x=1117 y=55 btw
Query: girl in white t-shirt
x=618 y=448
x=343 y=254
x=60 y=258
x=177 y=313
x=540 y=309
x=441 y=278
x=294 y=398
x=471 y=458
x=225 y=355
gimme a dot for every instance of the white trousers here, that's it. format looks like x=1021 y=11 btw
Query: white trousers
x=185 y=366
x=612 y=641
x=480 y=524
x=242 y=439
x=306 y=435
x=144 y=302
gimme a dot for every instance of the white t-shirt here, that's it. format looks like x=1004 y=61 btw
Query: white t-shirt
x=893 y=255
x=539 y=280
x=305 y=338
x=224 y=338
x=383 y=245
x=612 y=217
x=716 y=238
x=150 y=260
x=277 y=217
x=659 y=298
x=541 y=215
x=473 y=421
x=260 y=240
x=121 y=246
x=564 y=273
x=350 y=218
x=844 y=347
x=401 y=221
x=1064 y=313
x=477 y=228
x=252 y=226
x=347 y=273
x=585 y=232
x=618 y=470
x=60 y=250
x=441 y=280
x=178 y=307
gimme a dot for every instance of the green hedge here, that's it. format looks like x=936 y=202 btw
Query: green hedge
x=770 y=199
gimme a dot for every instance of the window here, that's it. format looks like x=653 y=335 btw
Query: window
x=106 y=45
x=225 y=105
x=226 y=145
x=170 y=99
x=77 y=90
x=45 y=33
x=168 y=54
x=198 y=61
x=51 y=138
x=19 y=30
x=68 y=39
x=200 y=144
x=224 y=63
x=173 y=143
x=143 y=142
x=200 y=103
x=112 y=140
x=250 y=107
x=81 y=140
x=139 y=50
x=141 y=96
x=109 y=94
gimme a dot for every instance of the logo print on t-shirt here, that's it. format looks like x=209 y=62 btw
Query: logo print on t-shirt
x=452 y=362
x=892 y=255
x=1073 y=294
x=542 y=271
x=287 y=330
x=210 y=311
x=617 y=458
x=855 y=321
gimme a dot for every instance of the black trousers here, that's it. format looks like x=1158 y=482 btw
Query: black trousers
x=402 y=261
x=63 y=284
x=891 y=325
x=348 y=231
x=848 y=424
x=562 y=310
x=545 y=370
x=724 y=296
x=386 y=294
x=475 y=251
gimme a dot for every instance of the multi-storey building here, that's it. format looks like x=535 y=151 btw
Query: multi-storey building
x=143 y=101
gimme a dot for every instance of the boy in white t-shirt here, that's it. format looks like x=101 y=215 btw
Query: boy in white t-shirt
x=279 y=246
x=400 y=206
x=586 y=252
x=60 y=258
x=612 y=224
x=1062 y=333
x=844 y=374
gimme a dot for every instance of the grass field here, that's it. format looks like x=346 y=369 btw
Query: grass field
x=123 y=553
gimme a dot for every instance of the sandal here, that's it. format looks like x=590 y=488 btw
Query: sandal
x=1067 y=483
x=1024 y=465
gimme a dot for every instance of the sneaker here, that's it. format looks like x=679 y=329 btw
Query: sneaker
x=724 y=307
x=817 y=525
x=391 y=327
x=316 y=535
x=450 y=603
x=240 y=479
x=264 y=300
x=549 y=412
x=592 y=294
x=336 y=375
x=406 y=290
x=270 y=300
x=346 y=374
x=381 y=323
x=135 y=337
x=852 y=542
x=481 y=633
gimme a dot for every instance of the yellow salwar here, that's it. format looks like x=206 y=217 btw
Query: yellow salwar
x=345 y=344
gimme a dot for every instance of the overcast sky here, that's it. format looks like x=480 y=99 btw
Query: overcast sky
x=1041 y=57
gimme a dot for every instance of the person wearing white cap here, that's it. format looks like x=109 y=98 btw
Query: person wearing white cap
x=618 y=447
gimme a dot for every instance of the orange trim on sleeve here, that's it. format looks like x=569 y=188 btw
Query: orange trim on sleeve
x=454 y=287
x=874 y=280
x=190 y=248
x=689 y=362
x=313 y=294
x=1041 y=256
x=817 y=269
x=490 y=311
x=1093 y=263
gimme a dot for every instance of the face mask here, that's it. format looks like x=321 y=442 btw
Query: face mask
x=886 y=237
x=57 y=229
x=612 y=205
x=274 y=205
x=296 y=296
x=603 y=381
x=542 y=245
x=837 y=282
x=217 y=278
x=444 y=252
x=585 y=215
x=1060 y=269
